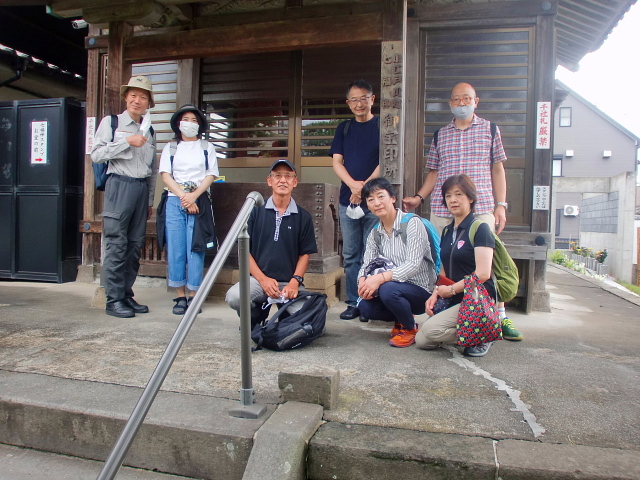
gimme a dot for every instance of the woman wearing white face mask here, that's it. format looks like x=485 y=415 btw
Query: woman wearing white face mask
x=188 y=167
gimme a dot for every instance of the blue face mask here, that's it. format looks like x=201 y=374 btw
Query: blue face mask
x=462 y=112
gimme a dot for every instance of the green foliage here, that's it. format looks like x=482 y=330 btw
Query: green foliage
x=629 y=286
x=558 y=257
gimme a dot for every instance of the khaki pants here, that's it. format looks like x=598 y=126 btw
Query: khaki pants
x=440 y=328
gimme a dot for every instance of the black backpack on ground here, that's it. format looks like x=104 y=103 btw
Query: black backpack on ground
x=284 y=331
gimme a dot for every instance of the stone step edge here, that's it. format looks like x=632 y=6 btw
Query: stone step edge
x=342 y=451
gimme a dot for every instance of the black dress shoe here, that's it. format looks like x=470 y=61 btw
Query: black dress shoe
x=350 y=313
x=120 y=309
x=135 y=306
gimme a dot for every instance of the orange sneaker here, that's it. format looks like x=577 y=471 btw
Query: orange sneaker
x=404 y=338
x=395 y=330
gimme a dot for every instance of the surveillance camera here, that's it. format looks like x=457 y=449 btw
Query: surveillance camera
x=78 y=24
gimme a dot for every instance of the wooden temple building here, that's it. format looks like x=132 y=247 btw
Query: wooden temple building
x=272 y=75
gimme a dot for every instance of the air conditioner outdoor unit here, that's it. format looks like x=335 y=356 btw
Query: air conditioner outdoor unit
x=571 y=210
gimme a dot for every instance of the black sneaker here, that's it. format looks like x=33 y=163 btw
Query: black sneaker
x=477 y=351
x=350 y=313
x=181 y=305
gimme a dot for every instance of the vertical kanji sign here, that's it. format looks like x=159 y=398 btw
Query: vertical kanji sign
x=543 y=132
x=90 y=133
x=39 y=143
x=541 y=197
x=391 y=95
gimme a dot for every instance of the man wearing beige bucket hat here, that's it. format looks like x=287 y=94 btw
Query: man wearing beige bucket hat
x=128 y=143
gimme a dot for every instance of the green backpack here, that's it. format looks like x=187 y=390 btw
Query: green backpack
x=504 y=268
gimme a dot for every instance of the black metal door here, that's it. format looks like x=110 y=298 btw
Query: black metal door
x=41 y=189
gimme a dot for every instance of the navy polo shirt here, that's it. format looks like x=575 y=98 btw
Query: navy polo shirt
x=360 y=149
x=458 y=256
x=278 y=258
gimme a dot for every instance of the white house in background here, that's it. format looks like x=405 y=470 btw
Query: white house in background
x=595 y=165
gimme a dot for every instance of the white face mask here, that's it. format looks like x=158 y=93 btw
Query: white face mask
x=189 y=129
x=463 y=112
x=354 y=211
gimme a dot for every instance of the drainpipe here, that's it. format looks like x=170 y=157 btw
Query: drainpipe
x=20 y=68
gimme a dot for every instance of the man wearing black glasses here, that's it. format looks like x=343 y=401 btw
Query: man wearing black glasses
x=282 y=239
x=355 y=150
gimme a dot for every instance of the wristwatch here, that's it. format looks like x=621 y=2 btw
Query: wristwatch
x=299 y=279
x=504 y=204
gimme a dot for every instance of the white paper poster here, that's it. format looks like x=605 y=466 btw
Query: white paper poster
x=540 y=197
x=91 y=131
x=39 y=143
x=543 y=133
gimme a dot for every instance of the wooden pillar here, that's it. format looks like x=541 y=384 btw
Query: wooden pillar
x=90 y=240
x=392 y=92
x=414 y=162
x=118 y=71
x=188 y=83
x=544 y=92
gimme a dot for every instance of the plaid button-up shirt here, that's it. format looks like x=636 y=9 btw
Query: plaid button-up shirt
x=466 y=151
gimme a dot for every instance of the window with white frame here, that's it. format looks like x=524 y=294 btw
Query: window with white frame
x=565 y=116
x=556 y=166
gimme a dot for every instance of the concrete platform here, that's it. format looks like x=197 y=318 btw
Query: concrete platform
x=573 y=382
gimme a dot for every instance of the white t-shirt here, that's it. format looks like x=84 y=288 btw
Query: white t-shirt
x=188 y=162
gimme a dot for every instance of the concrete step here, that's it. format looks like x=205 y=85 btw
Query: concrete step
x=189 y=435
x=17 y=463
x=340 y=451
x=193 y=436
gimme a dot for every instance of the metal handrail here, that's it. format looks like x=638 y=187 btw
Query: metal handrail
x=120 y=449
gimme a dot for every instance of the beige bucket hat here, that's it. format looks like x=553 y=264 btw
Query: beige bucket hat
x=139 y=81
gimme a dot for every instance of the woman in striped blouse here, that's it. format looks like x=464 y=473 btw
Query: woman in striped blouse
x=400 y=290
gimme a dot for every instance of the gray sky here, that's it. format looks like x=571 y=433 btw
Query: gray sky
x=610 y=77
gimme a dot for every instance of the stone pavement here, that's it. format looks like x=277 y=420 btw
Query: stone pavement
x=574 y=380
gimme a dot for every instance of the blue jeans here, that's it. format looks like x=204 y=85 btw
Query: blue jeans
x=354 y=239
x=397 y=301
x=185 y=267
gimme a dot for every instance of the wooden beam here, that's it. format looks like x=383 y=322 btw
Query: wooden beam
x=119 y=70
x=472 y=11
x=255 y=38
x=289 y=13
x=140 y=12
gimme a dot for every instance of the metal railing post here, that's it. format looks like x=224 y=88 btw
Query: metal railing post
x=247 y=408
x=120 y=449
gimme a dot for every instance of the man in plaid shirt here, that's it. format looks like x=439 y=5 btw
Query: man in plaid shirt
x=467 y=145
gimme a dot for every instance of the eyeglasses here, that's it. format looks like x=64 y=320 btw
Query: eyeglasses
x=466 y=99
x=355 y=101
x=279 y=175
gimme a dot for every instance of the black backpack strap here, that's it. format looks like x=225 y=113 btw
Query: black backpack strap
x=435 y=138
x=205 y=149
x=346 y=128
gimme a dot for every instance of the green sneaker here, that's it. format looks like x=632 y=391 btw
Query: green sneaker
x=509 y=331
